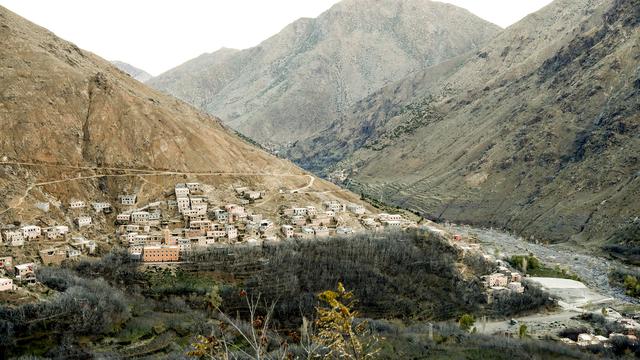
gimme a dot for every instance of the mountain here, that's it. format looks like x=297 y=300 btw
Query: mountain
x=74 y=126
x=135 y=73
x=537 y=132
x=294 y=83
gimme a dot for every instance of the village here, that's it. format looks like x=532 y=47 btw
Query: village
x=189 y=218
x=185 y=220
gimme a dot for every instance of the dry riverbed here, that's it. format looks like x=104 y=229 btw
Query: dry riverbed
x=573 y=298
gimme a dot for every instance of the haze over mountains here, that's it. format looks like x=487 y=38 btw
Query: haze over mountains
x=135 y=72
x=537 y=132
x=533 y=130
x=298 y=81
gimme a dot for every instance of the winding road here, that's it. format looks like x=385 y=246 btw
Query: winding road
x=134 y=172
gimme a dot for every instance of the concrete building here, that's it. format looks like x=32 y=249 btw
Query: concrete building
x=13 y=237
x=161 y=253
x=77 y=204
x=392 y=223
x=252 y=195
x=287 y=231
x=128 y=199
x=356 y=209
x=181 y=190
x=123 y=218
x=26 y=273
x=83 y=221
x=389 y=217
x=31 y=231
x=53 y=256
x=516 y=287
x=496 y=279
x=299 y=211
x=194 y=187
x=321 y=232
x=6 y=284
x=232 y=232
x=139 y=217
x=56 y=231
x=266 y=225
x=101 y=206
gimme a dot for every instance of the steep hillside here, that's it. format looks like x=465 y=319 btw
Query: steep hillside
x=537 y=132
x=298 y=81
x=72 y=125
x=135 y=72
x=399 y=108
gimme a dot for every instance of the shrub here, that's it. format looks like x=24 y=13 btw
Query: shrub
x=466 y=322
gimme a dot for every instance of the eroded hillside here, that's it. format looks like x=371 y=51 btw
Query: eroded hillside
x=537 y=132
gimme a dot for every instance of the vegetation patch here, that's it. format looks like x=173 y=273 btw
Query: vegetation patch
x=531 y=265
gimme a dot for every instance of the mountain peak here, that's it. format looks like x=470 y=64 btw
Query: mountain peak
x=292 y=84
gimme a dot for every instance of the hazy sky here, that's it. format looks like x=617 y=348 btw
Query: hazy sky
x=157 y=35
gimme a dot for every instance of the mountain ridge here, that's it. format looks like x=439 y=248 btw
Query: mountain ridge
x=293 y=83
x=516 y=147
x=135 y=72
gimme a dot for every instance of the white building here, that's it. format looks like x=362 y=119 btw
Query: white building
x=83 y=221
x=6 y=284
x=123 y=217
x=252 y=195
x=515 y=287
x=299 y=211
x=356 y=209
x=100 y=206
x=13 y=237
x=287 y=231
x=31 y=231
x=311 y=210
x=232 y=232
x=390 y=217
x=56 y=231
x=266 y=225
x=128 y=199
x=139 y=217
x=194 y=187
x=77 y=204
x=321 y=231
x=26 y=272
x=181 y=190
x=344 y=231
x=155 y=215
x=392 y=223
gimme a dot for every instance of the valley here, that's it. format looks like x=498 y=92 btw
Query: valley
x=385 y=180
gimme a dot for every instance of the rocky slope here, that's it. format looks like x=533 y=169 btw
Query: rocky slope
x=72 y=125
x=537 y=132
x=135 y=72
x=296 y=82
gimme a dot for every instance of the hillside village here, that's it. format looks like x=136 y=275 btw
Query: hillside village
x=189 y=218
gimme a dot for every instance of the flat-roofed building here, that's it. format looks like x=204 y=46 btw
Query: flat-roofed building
x=160 y=253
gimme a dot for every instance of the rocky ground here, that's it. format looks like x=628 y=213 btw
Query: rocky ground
x=593 y=270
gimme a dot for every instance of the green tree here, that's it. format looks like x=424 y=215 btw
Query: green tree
x=466 y=322
x=522 y=331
